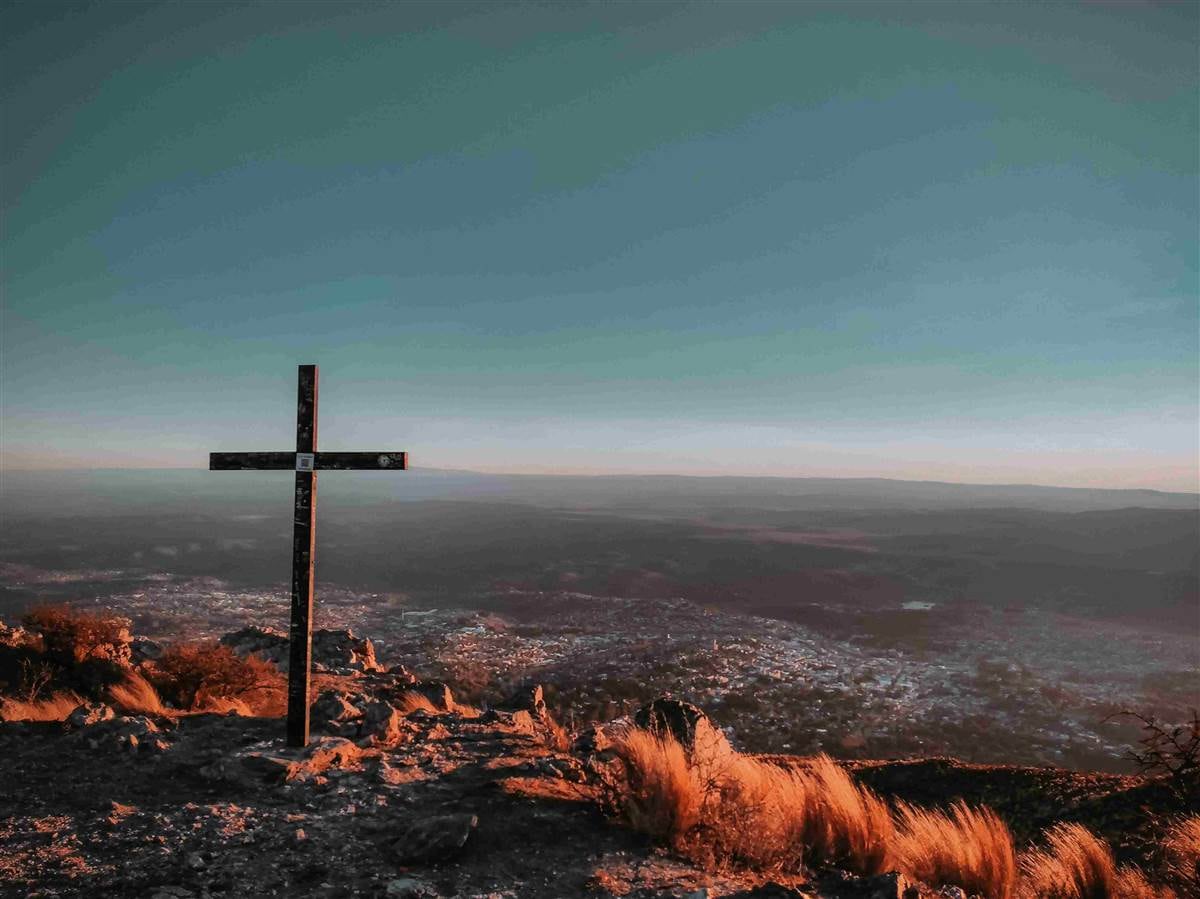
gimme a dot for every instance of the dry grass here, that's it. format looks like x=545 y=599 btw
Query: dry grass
x=719 y=807
x=135 y=695
x=1181 y=851
x=411 y=701
x=53 y=708
x=1076 y=864
x=663 y=794
x=845 y=824
x=968 y=848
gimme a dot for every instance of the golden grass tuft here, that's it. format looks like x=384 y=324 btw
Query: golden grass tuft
x=53 y=708
x=1181 y=851
x=411 y=701
x=1076 y=864
x=722 y=807
x=845 y=824
x=968 y=848
x=663 y=794
x=135 y=695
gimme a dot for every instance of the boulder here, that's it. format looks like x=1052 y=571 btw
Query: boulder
x=438 y=694
x=343 y=652
x=145 y=650
x=337 y=651
x=332 y=711
x=90 y=713
x=689 y=725
x=434 y=838
x=528 y=699
x=267 y=642
x=381 y=724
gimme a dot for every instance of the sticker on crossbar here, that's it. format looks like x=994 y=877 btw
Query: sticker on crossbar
x=304 y=461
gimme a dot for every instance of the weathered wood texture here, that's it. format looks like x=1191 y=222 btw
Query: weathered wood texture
x=252 y=461
x=382 y=460
x=304 y=535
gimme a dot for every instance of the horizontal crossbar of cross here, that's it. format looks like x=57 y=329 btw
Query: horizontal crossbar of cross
x=323 y=461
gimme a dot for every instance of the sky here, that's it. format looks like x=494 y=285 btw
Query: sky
x=934 y=241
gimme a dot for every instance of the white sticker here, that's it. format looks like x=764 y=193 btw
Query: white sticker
x=304 y=461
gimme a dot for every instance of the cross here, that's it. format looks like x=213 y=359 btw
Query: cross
x=306 y=462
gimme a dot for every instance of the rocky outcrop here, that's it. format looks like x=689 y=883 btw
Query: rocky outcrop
x=336 y=651
x=90 y=713
x=264 y=642
x=688 y=724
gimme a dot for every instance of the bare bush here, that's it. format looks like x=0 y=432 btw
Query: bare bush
x=207 y=675
x=968 y=848
x=71 y=636
x=1172 y=750
x=35 y=677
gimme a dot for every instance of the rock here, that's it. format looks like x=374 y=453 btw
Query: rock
x=145 y=650
x=409 y=888
x=343 y=652
x=90 y=713
x=332 y=710
x=438 y=694
x=434 y=838
x=687 y=724
x=593 y=740
x=267 y=642
x=340 y=651
x=262 y=766
x=892 y=885
x=381 y=724
x=529 y=699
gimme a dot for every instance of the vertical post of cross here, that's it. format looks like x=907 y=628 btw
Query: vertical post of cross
x=303 y=546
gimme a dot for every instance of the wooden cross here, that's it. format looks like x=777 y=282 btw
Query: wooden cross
x=306 y=462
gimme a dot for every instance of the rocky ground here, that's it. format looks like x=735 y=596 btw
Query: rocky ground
x=444 y=803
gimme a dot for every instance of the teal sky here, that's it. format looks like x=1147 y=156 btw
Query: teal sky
x=948 y=241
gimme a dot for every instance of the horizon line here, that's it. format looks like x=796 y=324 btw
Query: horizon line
x=634 y=474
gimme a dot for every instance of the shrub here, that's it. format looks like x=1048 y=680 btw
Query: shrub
x=71 y=636
x=191 y=675
x=1076 y=864
x=1165 y=749
x=1181 y=849
x=968 y=848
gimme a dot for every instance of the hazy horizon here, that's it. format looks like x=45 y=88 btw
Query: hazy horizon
x=616 y=474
